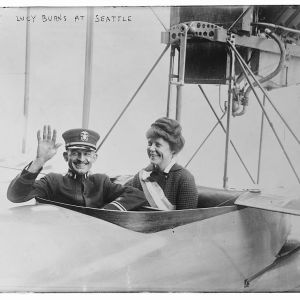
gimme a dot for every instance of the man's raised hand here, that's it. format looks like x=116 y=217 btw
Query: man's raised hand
x=47 y=146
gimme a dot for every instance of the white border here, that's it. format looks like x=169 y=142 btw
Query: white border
x=16 y=3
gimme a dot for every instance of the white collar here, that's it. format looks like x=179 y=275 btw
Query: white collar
x=73 y=175
x=170 y=165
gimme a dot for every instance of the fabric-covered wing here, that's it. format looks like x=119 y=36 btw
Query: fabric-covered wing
x=279 y=203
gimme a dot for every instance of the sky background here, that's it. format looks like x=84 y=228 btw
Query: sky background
x=123 y=53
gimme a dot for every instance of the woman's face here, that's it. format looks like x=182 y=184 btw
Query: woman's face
x=159 y=152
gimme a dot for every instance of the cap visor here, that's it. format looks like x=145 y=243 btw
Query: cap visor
x=81 y=147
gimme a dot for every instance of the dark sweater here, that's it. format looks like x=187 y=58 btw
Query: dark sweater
x=178 y=185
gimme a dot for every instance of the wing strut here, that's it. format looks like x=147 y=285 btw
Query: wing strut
x=291 y=247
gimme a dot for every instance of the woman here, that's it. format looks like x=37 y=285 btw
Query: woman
x=166 y=184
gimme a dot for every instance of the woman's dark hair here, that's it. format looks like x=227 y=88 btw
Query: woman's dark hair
x=169 y=130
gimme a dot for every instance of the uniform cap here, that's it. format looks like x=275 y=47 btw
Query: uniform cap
x=81 y=138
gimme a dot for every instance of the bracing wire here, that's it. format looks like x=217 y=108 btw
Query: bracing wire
x=158 y=18
x=17 y=169
x=240 y=16
x=232 y=144
x=244 y=68
x=204 y=141
x=133 y=97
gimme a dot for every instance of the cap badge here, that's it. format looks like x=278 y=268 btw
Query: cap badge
x=84 y=136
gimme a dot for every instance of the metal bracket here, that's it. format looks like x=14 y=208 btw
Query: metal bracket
x=183 y=41
x=196 y=29
x=231 y=38
x=215 y=33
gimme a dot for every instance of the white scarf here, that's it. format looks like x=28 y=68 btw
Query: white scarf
x=153 y=192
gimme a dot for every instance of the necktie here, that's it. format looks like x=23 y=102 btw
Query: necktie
x=158 y=176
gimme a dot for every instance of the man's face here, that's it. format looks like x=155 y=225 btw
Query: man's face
x=80 y=160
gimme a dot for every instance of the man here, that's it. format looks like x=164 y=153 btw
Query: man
x=78 y=186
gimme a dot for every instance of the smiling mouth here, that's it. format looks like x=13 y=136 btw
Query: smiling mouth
x=153 y=156
x=80 y=165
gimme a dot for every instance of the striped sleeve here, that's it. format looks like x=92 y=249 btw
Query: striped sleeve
x=116 y=205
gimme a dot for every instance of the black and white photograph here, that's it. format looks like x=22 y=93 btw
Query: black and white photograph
x=150 y=148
